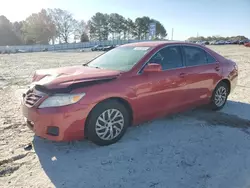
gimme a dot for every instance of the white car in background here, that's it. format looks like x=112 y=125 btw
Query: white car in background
x=201 y=42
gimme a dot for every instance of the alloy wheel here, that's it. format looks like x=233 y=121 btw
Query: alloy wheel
x=220 y=96
x=109 y=124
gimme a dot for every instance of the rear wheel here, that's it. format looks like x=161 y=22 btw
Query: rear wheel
x=220 y=95
x=107 y=123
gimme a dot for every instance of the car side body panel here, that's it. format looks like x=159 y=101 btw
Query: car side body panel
x=201 y=81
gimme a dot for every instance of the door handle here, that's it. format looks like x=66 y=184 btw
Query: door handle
x=182 y=74
x=217 y=68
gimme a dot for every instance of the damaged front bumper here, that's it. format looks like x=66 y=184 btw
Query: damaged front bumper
x=65 y=123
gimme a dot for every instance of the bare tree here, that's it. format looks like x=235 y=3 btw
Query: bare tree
x=39 y=27
x=64 y=22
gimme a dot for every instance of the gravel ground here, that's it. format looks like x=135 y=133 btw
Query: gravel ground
x=197 y=148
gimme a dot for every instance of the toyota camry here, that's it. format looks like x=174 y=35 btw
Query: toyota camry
x=126 y=86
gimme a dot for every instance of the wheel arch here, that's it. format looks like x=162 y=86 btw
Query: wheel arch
x=123 y=101
x=226 y=81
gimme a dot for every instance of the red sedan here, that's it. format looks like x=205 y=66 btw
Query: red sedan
x=247 y=44
x=128 y=85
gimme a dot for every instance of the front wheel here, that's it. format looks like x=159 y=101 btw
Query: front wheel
x=107 y=123
x=220 y=95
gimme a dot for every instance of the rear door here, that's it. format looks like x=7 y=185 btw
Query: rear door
x=203 y=72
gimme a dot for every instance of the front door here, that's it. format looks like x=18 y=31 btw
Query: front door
x=162 y=92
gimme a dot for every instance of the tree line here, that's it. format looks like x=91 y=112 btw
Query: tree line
x=57 y=25
x=217 y=38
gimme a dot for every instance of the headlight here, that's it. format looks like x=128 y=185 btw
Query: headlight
x=61 y=100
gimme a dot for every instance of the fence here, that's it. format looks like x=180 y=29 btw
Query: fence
x=71 y=46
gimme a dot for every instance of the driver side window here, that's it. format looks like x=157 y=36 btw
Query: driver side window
x=168 y=57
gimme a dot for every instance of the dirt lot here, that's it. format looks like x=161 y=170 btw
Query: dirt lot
x=192 y=149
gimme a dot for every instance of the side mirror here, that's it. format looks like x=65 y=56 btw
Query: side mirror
x=153 y=67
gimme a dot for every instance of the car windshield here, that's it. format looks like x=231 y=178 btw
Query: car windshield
x=120 y=58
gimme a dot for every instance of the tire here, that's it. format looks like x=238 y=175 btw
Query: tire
x=222 y=90
x=98 y=125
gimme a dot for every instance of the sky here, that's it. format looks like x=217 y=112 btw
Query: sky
x=186 y=17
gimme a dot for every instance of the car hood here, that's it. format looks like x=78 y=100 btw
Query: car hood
x=63 y=77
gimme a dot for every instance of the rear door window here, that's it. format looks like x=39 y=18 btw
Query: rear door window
x=194 y=56
x=210 y=59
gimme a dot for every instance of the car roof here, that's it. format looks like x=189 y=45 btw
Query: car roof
x=156 y=43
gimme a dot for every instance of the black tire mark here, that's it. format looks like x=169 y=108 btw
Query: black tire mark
x=12 y=159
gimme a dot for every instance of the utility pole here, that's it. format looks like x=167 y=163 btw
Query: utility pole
x=172 y=37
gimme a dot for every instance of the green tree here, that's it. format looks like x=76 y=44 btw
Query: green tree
x=141 y=28
x=217 y=38
x=145 y=26
x=124 y=28
x=84 y=37
x=7 y=33
x=99 y=26
x=130 y=26
x=112 y=25
x=57 y=24
x=138 y=29
x=161 y=32
x=18 y=29
x=239 y=37
x=92 y=30
x=116 y=25
x=80 y=30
